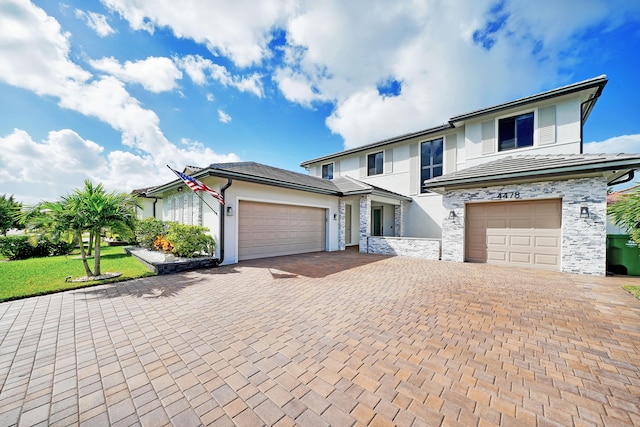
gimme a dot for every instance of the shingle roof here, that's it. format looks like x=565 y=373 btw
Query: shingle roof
x=525 y=166
x=269 y=175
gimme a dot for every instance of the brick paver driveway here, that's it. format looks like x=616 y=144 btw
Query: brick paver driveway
x=331 y=338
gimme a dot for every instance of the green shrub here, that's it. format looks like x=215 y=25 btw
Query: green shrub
x=16 y=247
x=148 y=229
x=190 y=240
x=61 y=248
x=24 y=247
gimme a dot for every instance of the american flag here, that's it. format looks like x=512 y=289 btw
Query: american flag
x=196 y=185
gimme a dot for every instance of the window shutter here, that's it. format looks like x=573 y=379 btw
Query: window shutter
x=336 y=168
x=363 y=166
x=450 y=150
x=414 y=168
x=388 y=160
x=547 y=125
x=488 y=137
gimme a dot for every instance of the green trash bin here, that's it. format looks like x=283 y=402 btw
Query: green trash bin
x=623 y=255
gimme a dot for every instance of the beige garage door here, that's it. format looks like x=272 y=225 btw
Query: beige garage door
x=267 y=229
x=526 y=234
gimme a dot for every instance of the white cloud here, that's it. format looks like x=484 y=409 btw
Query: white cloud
x=155 y=74
x=210 y=97
x=96 y=21
x=617 y=144
x=224 y=117
x=239 y=30
x=45 y=170
x=449 y=57
x=200 y=70
x=34 y=55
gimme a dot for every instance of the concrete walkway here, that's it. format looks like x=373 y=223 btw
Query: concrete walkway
x=327 y=339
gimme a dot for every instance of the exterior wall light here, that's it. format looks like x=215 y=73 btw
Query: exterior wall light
x=229 y=210
x=335 y=216
x=452 y=215
x=179 y=189
x=584 y=212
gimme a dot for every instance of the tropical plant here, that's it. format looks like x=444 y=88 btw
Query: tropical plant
x=148 y=229
x=190 y=240
x=8 y=209
x=90 y=209
x=625 y=212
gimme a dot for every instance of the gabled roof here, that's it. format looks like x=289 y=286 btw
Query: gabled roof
x=268 y=175
x=524 y=167
x=142 y=192
x=594 y=85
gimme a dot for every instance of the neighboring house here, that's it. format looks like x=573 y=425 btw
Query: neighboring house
x=506 y=184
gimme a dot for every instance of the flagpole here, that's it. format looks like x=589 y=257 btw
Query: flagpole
x=199 y=196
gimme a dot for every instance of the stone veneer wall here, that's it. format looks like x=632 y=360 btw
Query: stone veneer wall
x=341 y=225
x=399 y=219
x=405 y=246
x=583 y=239
x=365 y=219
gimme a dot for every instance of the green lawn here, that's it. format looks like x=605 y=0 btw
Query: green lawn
x=38 y=276
x=633 y=290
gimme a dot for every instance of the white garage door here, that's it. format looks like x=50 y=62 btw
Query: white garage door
x=267 y=229
x=525 y=234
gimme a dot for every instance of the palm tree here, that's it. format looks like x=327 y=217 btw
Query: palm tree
x=90 y=209
x=98 y=211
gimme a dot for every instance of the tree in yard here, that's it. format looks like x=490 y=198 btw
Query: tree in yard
x=8 y=209
x=90 y=209
x=625 y=212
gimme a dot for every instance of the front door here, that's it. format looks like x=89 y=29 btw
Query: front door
x=347 y=224
x=377 y=222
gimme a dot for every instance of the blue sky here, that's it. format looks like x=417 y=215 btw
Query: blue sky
x=113 y=90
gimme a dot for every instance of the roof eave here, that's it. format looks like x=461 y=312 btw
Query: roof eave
x=378 y=144
x=597 y=82
x=523 y=176
x=268 y=181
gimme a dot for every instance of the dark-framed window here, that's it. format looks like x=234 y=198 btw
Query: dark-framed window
x=515 y=132
x=375 y=163
x=327 y=171
x=430 y=160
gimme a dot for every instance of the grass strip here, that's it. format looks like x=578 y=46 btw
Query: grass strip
x=633 y=290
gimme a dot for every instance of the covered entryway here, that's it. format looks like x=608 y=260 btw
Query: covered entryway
x=269 y=229
x=519 y=233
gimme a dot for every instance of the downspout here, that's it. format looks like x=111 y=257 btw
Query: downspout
x=591 y=100
x=222 y=215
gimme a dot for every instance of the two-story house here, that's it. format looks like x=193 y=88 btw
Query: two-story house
x=507 y=184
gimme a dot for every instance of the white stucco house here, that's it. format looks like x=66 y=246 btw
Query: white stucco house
x=508 y=184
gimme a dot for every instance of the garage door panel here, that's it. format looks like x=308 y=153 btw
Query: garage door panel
x=267 y=229
x=520 y=223
x=525 y=241
x=499 y=240
x=522 y=233
x=494 y=255
x=496 y=223
x=545 y=259
x=520 y=257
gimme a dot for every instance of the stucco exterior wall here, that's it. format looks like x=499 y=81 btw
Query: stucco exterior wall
x=583 y=239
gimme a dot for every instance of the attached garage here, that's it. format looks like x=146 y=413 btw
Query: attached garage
x=518 y=233
x=269 y=229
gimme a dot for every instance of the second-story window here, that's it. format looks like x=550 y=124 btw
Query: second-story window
x=375 y=163
x=515 y=132
x=327 y=171
x=430 y=160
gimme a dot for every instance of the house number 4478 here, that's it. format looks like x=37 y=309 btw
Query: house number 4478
x=508 y=195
